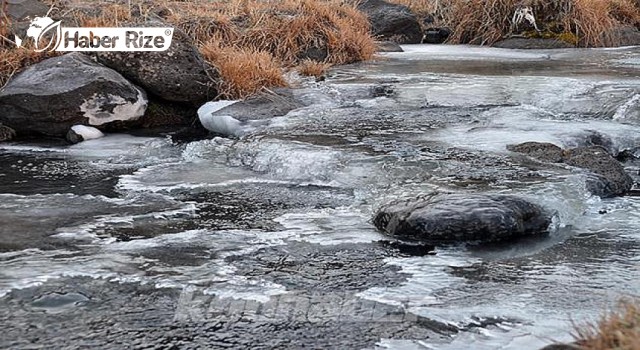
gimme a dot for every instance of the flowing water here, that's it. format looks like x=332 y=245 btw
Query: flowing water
x=105 y=242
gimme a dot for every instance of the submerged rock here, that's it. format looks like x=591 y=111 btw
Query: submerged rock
x=463 y=217
x=51 y=96
x=611 y=178
x=179 y=74
x=392 y=22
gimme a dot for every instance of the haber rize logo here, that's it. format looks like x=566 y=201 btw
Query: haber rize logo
x=48 y=34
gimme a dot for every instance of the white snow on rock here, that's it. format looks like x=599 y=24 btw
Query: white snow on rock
x=124 y=111
x=87 y=132
x=221 y=124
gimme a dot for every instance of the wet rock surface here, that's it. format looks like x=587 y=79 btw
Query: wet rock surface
x=611 y=178
x=546 y=152
x=463 y=217
x=53 y=95
x=608 y=177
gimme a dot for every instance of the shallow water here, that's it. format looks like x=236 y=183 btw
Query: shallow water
x=285 y=211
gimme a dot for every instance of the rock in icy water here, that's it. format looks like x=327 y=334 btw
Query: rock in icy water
x=463 y=217
x=51 y=96
x=179 y=74
x=543 y=151
x=610 y=180
x=392 y=21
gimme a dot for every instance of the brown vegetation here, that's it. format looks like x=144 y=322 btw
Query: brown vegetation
x=312 y=68
x=588 y=23
x=619 y=330
x=252 y=43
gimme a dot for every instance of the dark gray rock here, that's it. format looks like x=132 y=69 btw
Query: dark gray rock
x=388 y=46
x=436 y=35
x=19 y=10
x=266 y=105
x=20 y=13
x=314 y=53
x=178 y=74
x=625 y=36
x=533 y=43
x=55 y=94
x=543 y=151
x=463 y=217
x=392 y=22
x=610 y=180
x=73 y=137
x=6 y=133
x=594 y=138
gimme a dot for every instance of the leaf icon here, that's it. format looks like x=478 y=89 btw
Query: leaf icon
x=55 y=39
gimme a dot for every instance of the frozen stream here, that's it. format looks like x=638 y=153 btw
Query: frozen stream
x=126 y=233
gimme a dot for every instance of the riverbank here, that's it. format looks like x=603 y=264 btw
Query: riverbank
x=253 y=44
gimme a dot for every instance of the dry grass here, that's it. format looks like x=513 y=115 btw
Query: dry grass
x=267 y=37
x=592 y=22
x=619 y=330
x=243 y=71
x=287 y=32
x=312 y=68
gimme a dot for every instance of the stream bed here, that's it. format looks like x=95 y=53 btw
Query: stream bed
x=266 y=241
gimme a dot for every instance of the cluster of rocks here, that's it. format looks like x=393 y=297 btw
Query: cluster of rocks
x=110 y=91
x=78 y=95
x=606 y=176
x=472 y=217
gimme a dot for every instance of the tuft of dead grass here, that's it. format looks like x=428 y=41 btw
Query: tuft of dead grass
x=312 y=68
x=244 y=71
x=619 y=330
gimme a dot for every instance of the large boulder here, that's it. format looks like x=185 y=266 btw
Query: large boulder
x=463 y=217
x=179 y=74
x=55 y=94
x=610 y=177
x=392 y=21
